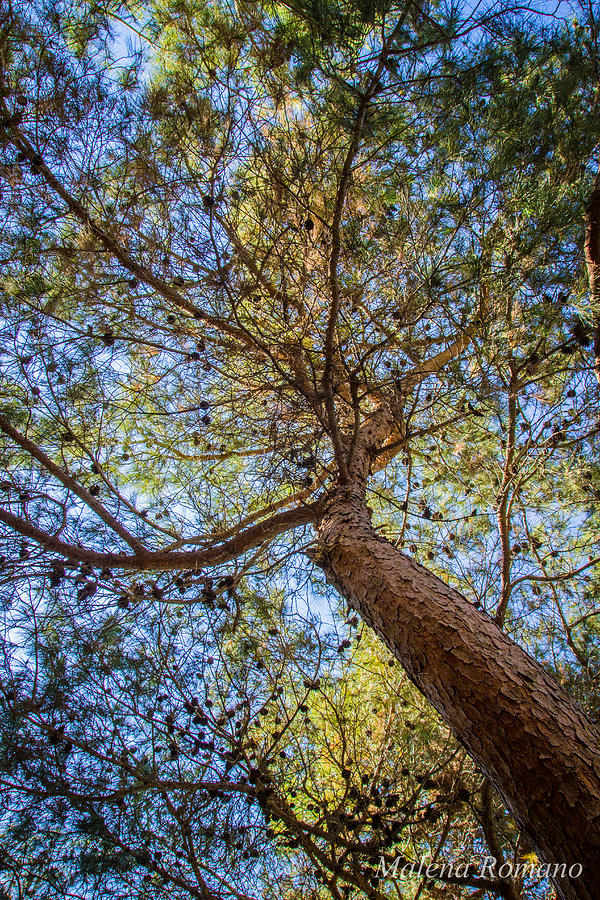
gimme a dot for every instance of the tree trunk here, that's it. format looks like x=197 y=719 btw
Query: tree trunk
x=527 y=735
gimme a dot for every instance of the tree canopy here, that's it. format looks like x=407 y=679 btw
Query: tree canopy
x=236 y=235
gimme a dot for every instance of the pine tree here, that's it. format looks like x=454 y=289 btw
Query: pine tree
x=285 y=289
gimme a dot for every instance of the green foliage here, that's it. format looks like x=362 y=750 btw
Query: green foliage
x=172 y=173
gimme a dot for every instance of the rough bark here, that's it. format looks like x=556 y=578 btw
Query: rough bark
x=529 y=738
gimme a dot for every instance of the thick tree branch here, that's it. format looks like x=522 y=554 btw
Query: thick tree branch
x=504 y=504
x=298 y=497
x=336 y=244
x=392 y=442
x=592 y=259
x=161 y=561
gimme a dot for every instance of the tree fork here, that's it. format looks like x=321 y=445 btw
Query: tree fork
x=530 y=739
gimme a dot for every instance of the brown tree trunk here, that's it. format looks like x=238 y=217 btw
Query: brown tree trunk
x=529 y=738
x=592 y=259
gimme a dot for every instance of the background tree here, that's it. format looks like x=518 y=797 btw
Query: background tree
x=261 y=265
